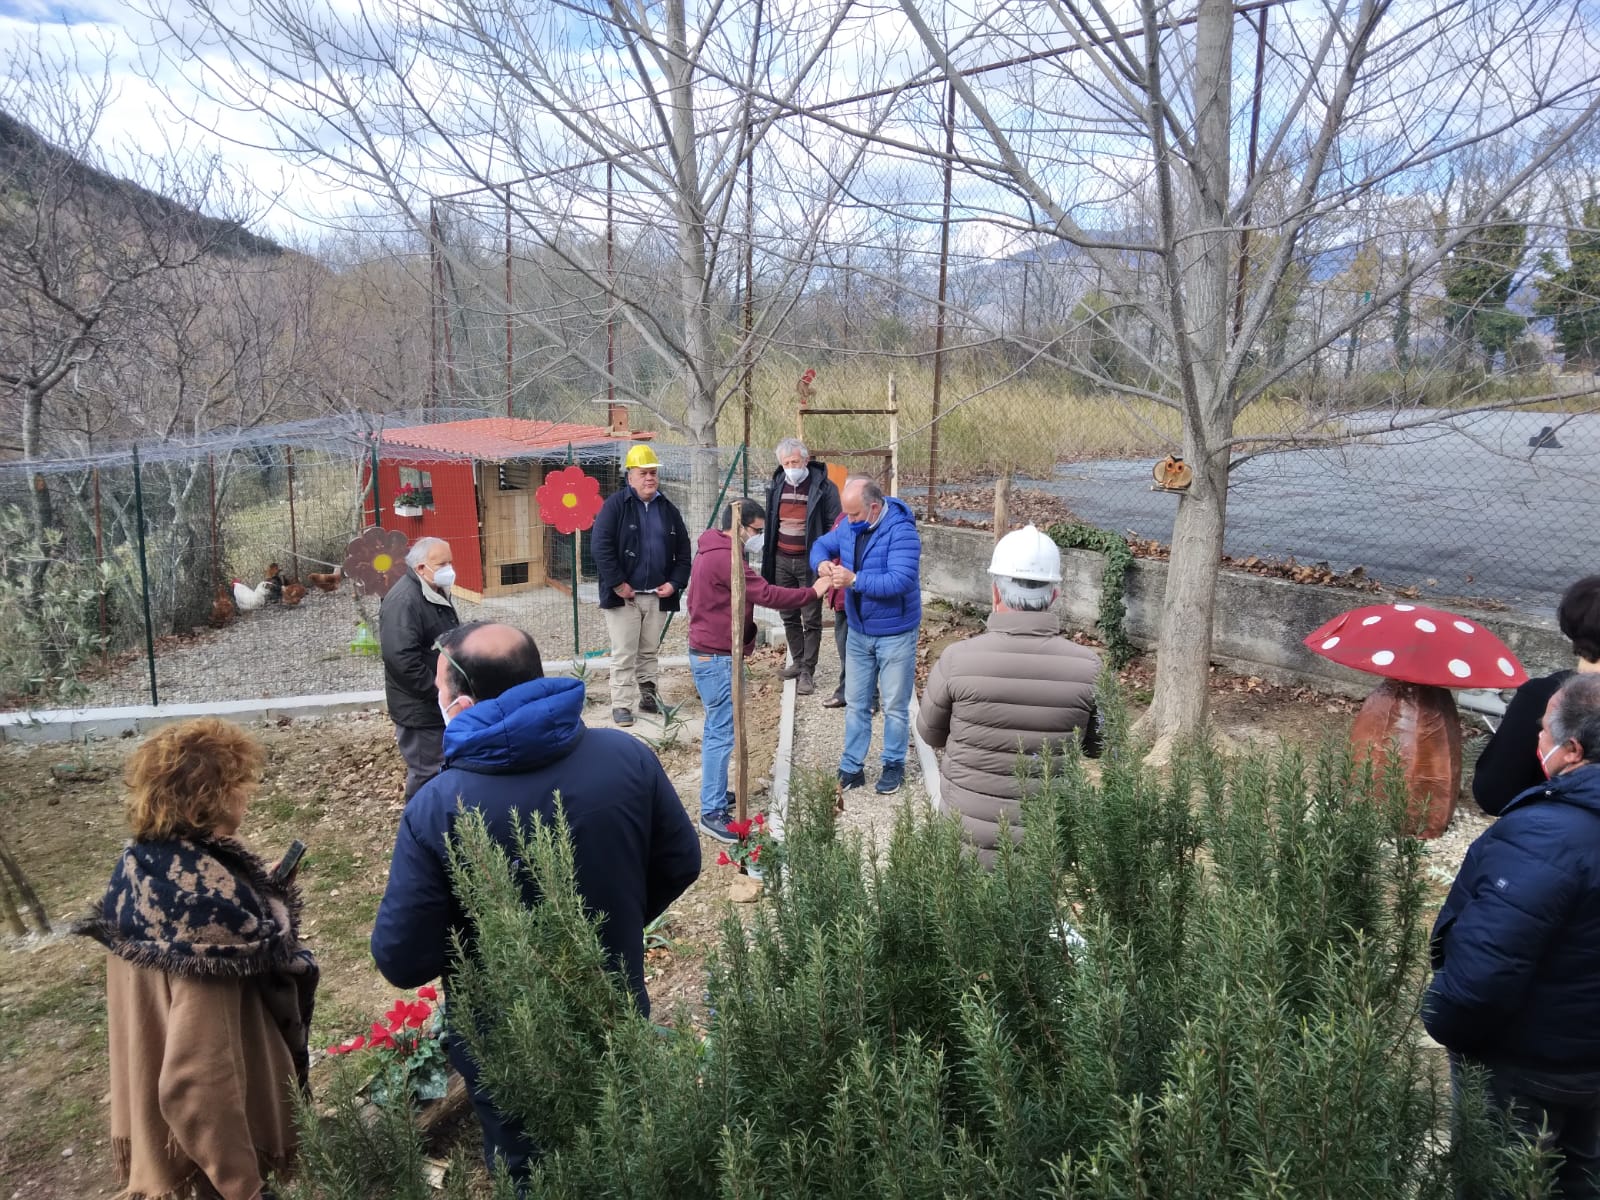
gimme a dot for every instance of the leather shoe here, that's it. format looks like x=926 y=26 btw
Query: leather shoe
x=648 y=700
x=622 y=717
x=834 y=701
x=804 y=685
x=792 y=671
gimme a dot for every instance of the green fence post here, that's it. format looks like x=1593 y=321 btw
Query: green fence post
x=144 y=578
x=577 y=646
x=377 y=508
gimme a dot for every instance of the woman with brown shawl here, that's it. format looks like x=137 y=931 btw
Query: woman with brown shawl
x=208 y=989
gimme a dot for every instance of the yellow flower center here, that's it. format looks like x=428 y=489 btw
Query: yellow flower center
x=382 y=563
x=570 y=500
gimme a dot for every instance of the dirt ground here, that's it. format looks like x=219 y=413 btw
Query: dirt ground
x=336 y=784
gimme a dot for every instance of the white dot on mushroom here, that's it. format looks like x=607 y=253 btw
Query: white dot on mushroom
x=1458 y=668
x=1506 y=667
x=1383 y=658
x=1372 y=620
x=1405 y=608
x=1464 y=627
x=1425 y=625
x=1330 y=643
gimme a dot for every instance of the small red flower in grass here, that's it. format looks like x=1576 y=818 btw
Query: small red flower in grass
x=759 y=820
x=723 y=860
x=740 y=829
x=382 y=1038
x=429 y=992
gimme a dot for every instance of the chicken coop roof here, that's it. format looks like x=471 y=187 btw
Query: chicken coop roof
x=498 y=438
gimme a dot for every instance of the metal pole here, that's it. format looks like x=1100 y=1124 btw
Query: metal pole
x=611 y=298
x=377 y=508
x=508 y=299
x=144 y=578
x=741 y=747
x=100 y=560
x=211 y=469
x=577 y=647
x=294 y=537
x=944 y=281
x=433 y=306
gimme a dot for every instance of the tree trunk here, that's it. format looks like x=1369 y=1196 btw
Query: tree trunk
x=1201 y=316
x=39 y=506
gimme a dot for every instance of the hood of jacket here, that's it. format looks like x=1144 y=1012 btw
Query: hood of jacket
x=895 y=511
x=713 y=540
x=1579 y=787
x=532 y=724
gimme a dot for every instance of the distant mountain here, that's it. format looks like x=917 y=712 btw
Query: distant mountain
x=23 y=153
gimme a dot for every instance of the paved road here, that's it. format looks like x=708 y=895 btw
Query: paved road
x=1470 y=507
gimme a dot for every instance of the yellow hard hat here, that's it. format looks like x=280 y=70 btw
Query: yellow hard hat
x=641 y=456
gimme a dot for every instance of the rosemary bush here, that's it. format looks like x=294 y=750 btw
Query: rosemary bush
x=1197 y=983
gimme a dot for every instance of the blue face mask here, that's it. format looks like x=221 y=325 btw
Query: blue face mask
x=860 y=527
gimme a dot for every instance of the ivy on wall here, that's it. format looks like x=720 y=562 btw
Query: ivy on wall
x=1113 y=581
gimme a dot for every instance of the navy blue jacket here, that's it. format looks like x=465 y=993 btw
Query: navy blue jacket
x=1516 y=948
x=886 y=597
x=633 y=844
x=615 y=542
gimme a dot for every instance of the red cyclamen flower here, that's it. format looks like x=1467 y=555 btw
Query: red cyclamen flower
x=759 y=820
x=739 y=829
x=723 y=860
x=428 y=992
x=382 y=1038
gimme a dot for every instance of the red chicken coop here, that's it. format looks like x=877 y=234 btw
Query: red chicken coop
x=473 y=482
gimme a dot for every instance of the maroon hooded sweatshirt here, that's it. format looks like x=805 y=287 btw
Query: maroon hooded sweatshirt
x=711 y=597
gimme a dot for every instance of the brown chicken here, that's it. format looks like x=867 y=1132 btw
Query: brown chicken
x=222 y=609
x=293 y=593
x=326 y=583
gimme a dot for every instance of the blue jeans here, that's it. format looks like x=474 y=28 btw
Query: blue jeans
x=713 y=679
x=885 y=665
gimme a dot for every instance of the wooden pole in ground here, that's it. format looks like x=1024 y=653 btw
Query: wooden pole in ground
x=741 y=751
x=1002 y=504
x=294 y=536
x=30 y=898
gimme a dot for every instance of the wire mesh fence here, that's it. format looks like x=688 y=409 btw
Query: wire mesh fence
x=221 y=571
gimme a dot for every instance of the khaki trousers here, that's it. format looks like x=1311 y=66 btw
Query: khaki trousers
x=635 y=631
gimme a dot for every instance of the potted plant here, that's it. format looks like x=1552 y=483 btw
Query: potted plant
x=406 y=1050
x=408 y=501
x=753 y=851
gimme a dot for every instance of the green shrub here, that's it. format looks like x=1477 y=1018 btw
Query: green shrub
x=1202 y=983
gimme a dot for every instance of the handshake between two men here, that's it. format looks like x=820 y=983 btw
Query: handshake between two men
x=835 y=575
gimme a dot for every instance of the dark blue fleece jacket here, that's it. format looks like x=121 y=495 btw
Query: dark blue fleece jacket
x=1516 y=948
x=634 y=846
x=886 y=597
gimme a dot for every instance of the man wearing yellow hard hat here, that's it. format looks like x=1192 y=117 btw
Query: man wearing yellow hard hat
x=641 y=552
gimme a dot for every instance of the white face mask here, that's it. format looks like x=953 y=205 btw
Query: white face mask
x=1544 y=760
x=444 y=576
x=444 y=709
x=795 y=475
x=752 y=544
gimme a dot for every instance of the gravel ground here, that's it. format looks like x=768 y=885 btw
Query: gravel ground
x=305 y=650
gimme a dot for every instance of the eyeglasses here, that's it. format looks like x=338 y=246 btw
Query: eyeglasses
x=449 y=658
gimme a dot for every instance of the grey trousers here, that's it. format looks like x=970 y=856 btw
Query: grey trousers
x=423 y=750
x=802 y=626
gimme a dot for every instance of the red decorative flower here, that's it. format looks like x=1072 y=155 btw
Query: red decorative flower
x=759 y=820
x=569 y=500
x=427 y=992
x=740 y=829
x=382 y=1038
x=723 y=860
x=377 y=560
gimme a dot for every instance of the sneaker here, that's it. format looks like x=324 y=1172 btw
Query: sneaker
x=890 y=779
x=715 y=826
x=792 y=671
x=804 y=685
x=622 y=717
x=648 y=700
x=854 y=780
x=836 y=700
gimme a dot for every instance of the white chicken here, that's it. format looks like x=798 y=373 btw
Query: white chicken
x=249 y=599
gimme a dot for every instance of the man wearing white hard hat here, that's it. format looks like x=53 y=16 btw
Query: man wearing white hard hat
x=999 y=701
x=641 y=554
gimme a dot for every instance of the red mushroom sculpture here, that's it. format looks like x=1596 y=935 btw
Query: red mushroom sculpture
x=1422 y=653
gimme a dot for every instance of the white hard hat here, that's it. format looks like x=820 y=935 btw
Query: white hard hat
x=1026 y=554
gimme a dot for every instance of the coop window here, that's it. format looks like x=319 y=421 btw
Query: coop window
x=513 y=573
x=421 y=481
x=515 y=477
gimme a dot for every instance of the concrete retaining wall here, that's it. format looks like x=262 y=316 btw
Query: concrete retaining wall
x=1259 y=622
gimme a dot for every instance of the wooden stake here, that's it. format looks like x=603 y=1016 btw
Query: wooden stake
x=30 y=898
x=741 y=751
x=1002 y=504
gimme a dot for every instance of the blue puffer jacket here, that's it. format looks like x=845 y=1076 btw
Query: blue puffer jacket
x=633 y=843
x=886 y=597
x=1516 y=948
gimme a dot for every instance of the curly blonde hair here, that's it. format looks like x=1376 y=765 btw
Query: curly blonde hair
x=189 y=778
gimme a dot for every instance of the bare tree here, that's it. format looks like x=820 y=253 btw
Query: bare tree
x=625 y=134
x=1353 y=104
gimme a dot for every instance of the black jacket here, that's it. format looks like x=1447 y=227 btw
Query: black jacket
x=822 y=510
x=408 y=624
x=615 y=540
x=1509 y=764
